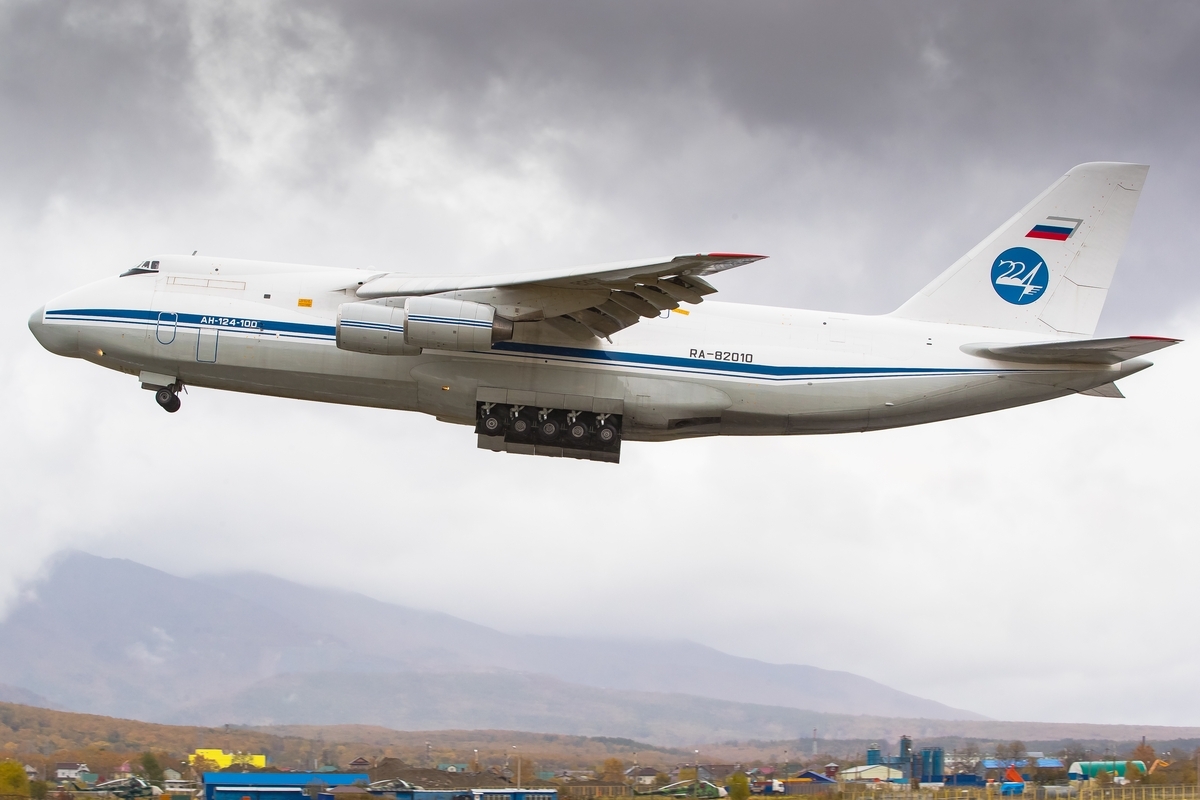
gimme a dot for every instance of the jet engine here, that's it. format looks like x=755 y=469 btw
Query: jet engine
x=373 y=328
x=440 y=323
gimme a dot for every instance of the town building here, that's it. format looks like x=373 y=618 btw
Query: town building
x=870 y=773
x=274 y=785
x=809 y=782
x=225 y=760
x=585 y=789
x=1086 y=770
x=642 y=777
x=69 y=770
x=179 y=787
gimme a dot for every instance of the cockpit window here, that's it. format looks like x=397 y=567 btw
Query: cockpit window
x=142 y=269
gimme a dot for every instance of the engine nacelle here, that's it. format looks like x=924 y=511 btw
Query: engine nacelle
x=443 y=324
x=373 y=328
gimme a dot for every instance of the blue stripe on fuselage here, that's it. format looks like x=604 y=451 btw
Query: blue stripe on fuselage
x=711 y=366
x=143 y=317
x=644 y=361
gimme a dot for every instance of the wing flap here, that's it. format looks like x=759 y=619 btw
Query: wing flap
x=634 y=303
x=576 y=330
x=1082 y=351
x=619 y=312
x=599 y=323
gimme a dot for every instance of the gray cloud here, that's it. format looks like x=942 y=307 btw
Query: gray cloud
x=918 y=125
x=95 y=104
x=865 y=146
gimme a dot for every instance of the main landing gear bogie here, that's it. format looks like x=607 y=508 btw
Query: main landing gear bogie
x=168 y=398
x=581 y=430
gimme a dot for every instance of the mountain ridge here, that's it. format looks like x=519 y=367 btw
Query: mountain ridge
x=665 y=666
x=114 y=637
x=24 y=697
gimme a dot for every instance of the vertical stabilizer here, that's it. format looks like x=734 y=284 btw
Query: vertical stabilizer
x=1048 y=269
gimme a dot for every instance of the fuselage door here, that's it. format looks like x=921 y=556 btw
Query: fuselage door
x=168 y=321
x=206 y=344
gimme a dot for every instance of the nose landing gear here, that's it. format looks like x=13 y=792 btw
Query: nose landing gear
x=168 y=398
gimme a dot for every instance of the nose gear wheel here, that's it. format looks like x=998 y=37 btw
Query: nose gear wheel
x=168 y=398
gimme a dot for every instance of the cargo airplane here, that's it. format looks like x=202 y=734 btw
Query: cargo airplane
x=570 y=362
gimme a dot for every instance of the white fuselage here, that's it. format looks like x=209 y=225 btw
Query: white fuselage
x=720 y=368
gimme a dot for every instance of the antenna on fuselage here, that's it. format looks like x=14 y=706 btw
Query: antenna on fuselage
x=195 y=251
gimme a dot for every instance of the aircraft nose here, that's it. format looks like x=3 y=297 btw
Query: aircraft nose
x=36 y=326
x=52 y=337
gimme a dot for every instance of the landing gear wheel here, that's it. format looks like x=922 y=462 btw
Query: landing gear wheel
x=493 y=425
x=520 y=426
x=549 y=428
x=606 y=434
x=577 y=432
x=167 y=398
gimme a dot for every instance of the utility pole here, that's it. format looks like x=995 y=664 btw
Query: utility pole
x=518 y=758
x=696 y=784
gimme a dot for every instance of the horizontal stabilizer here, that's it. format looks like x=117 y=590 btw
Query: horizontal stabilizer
x=1083 y=351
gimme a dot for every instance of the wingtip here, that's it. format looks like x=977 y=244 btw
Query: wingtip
x=1158 y=339
x=747 y=256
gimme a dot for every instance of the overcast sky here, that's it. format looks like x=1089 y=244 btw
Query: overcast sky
x=1039 y=564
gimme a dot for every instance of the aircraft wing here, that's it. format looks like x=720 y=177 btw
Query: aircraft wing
x=1083 y=351
x=583 y=302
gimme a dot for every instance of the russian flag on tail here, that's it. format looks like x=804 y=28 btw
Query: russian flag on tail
x=1058 y=229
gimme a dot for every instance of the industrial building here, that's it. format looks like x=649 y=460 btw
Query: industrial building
x=274 y=785
x=926 y=766
x=1086 y=770
x=225 y=760
x=809 y=782
x=871 y=773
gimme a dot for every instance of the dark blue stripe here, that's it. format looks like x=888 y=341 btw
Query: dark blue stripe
x=616 y=358
x=151 y=317
x=677 y=362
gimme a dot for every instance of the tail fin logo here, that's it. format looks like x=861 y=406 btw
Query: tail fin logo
x=1019 y=275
